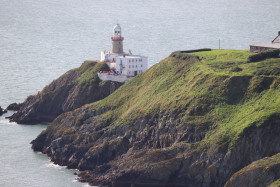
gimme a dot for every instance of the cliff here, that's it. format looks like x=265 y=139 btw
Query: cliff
x=193 y=119
x=74 y=89
x=259 y=173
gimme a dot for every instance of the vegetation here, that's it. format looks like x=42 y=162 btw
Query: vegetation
x=190 y=51
x=200 y=89
x=264 y=55
x=275 y=183
x=89 y=70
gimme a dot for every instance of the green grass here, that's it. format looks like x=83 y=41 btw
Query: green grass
x=204 y=84
x=220 y=62
x=89 y=70
x=275 y=183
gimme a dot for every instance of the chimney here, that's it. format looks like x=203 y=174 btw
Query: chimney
x=278 y=32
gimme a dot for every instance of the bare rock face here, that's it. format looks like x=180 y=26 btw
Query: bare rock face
x=72 y=90
x=14 y=106
x=149 y=152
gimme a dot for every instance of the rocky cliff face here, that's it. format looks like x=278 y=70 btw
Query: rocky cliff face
x=259 y=173
x=74 y=89
x=188 y=120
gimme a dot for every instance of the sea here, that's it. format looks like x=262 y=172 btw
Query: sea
x=42 y=39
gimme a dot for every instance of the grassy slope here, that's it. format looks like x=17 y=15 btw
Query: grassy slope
x=184 y=85
x=233 y=119
x=89 y=70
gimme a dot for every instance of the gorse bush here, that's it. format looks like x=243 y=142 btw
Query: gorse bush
x=195 y=50
x=184 y=54
x=267 y=71
x=264 y=55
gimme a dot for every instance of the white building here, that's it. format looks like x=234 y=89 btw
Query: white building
x=123 y=65
x=275 y=44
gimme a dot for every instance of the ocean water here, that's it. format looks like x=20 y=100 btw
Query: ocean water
x=40 y=40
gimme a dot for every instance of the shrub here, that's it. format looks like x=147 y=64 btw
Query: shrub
x=184 y=54
x=195 y=50
x=268 y=71
x=236 y=69
x=264 y=55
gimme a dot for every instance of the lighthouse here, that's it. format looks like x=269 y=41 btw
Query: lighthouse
x=117 y=40
x=123 y=65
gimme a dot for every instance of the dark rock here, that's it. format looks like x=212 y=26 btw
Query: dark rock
x=14 y=106
x=128 y=155
x=2 y=111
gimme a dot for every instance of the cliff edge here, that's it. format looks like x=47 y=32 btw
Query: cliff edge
x=72 y=90
x=193 y=119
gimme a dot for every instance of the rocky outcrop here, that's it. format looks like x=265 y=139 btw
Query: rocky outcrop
x=150 y=152
x=259 y=173
x=14 y=106
x=72 y=90
x=175 y=124
x=2 y=111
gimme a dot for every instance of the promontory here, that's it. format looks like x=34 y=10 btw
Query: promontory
x=197 y=118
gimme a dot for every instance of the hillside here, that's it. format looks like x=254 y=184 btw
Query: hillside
x=192 y=119
x=74 y=89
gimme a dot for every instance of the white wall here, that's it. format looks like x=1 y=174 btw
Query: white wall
x=132 y=64
x=128 y=65
x=119 y=78
x=110 y=56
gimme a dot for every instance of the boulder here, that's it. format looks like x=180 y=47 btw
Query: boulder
x=14 y=106
x=2 y=111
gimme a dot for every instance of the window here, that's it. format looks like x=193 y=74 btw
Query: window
x=136 y=60
x=132 y=60
x=141 y=65
x=132 y=66
x=136 y=65
x=129 y=66
x=129 y=61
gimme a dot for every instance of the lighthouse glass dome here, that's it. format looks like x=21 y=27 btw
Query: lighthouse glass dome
x=117 y=30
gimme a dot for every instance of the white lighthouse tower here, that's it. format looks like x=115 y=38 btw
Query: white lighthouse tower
x=123 y=65
x=117 y=40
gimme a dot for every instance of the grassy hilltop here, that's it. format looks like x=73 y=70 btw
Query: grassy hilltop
x=203 y=91
x=195 y=118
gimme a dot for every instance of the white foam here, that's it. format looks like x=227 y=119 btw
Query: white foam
x=75 y=180
x=6 y=121
x=52 y=165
